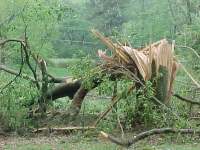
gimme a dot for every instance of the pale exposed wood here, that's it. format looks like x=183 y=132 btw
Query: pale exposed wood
x=161 y=52
x=63 y=129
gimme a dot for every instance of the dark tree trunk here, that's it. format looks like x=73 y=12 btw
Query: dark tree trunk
x=2 y=55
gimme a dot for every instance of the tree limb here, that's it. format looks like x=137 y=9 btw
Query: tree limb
x=44 y=88
x=63 y=129
x=141 y=136
x=186 y=99
x=13 y=72
x=27 y=77
x=3 y=42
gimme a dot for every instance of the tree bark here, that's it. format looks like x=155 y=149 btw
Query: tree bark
x=63 y=90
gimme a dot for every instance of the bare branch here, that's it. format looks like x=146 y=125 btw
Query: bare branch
x=3 y=42
x=186 y=99
x=141 y=136
x=13 y=72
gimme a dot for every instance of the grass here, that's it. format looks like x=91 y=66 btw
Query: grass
x=59 y=72
x=65 y=62
x=78 y=142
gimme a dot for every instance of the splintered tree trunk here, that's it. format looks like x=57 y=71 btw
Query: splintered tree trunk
x=160 y=83
x=159 y=86
x=161 y=89
x=78 y=98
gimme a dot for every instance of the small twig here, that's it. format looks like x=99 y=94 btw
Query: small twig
x=98 y=97
x=194 y=117
x=27 y=58
x=120 y=125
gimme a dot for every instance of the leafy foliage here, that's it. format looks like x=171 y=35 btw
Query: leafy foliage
x=61 y=29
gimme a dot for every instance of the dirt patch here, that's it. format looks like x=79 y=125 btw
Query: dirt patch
x=14 y=141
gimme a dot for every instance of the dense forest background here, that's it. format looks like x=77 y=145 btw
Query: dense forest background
x=62 y=28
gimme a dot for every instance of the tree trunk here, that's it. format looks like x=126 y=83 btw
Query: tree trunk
x=2 y=55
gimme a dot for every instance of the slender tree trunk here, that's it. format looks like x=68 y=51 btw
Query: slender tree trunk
x=2 y=55
x=189 y=17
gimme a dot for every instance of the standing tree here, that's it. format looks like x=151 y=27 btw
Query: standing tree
x=107 y=15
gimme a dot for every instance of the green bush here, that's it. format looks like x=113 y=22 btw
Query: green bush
x=13 y=101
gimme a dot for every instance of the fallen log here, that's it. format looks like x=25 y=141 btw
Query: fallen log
x=63 y=90
x=141 y=136
x=62 y=129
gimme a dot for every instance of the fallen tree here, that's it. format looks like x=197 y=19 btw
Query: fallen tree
x=155 y=63
x=138 y=65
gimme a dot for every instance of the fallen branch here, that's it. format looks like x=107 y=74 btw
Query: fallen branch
x=13 y=72
x=141 y=136
x=62 y=129
x=27 y=77
x=186 y=99
x=195 y=118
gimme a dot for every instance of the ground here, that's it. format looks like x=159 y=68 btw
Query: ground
x=79 y=142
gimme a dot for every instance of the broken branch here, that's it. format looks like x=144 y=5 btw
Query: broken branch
x=62 y=129
x=186 y=99
x=141 y=136
x=27 y=77
x=13 y=72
